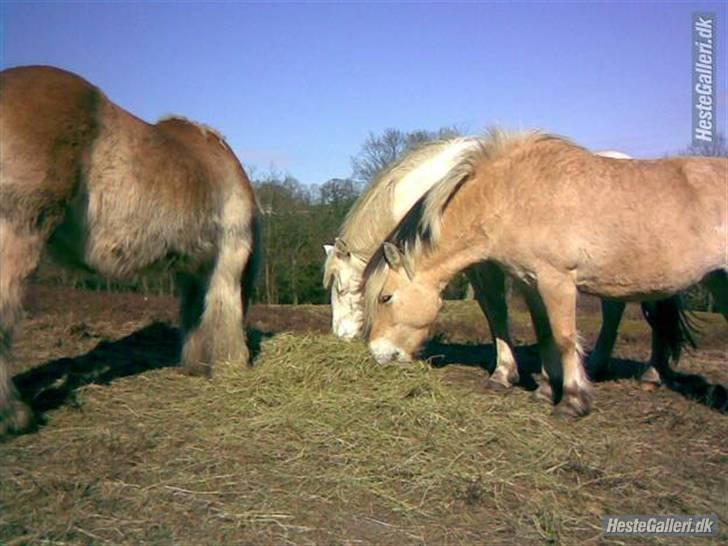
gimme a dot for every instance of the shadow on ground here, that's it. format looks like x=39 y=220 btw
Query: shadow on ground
x=55 y=383
x=156 y=346
x=691 y=386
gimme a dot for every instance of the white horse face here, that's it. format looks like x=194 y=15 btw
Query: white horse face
x=405 y=312
x=346 y=299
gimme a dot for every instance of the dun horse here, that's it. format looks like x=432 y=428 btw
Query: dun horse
x=101 y=189
x=382 y=206
x=559 y=220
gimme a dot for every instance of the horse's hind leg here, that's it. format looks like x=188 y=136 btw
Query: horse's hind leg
x=612 y=312
x=212 y=311
x=549 y=352
x=662 y=328
x=19 y=254
x=488 y=282
x=191 y=290
x=664 y=319
x=212 y=323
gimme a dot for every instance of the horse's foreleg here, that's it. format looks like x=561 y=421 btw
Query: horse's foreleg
x=559 y=294
x=489 y=286
x=19 y=254
x=612 y=312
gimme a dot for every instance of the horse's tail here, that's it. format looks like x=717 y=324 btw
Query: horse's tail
x=255 y=261
x=675 y=328
x=672 y=325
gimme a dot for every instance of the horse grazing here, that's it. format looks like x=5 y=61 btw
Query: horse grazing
x=380 y=208
x=559 y=220
x=100 y=189
x=372 y=218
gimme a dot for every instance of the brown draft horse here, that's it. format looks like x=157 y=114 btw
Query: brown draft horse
x=101 y=189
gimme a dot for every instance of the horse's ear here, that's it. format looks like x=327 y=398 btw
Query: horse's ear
x=328 y=249
x=393 y=256
x=396 y=259
x=341 y=247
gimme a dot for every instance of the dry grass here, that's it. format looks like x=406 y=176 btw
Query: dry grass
x=318 y=445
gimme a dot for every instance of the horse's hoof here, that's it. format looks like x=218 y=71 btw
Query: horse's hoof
x=17 y=418
x=650 y=380
x=198 y=369
x=496 y=385
x=565 y=412
x=575 y=404
x=648 y=386
x=539 y=397
x=543 y=393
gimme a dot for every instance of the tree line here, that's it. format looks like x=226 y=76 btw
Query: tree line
x=298 y=219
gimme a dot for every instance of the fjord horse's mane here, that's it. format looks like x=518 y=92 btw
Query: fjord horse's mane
x=362 y=229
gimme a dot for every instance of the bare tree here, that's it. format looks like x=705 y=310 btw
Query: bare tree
x=378 y=152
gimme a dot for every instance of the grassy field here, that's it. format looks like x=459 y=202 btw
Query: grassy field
x=318 y=445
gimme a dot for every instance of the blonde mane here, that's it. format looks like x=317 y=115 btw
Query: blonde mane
x=371 y=217
x=419 y=230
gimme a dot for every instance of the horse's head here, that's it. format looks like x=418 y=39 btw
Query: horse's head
x=400 y=308
x=342 y=276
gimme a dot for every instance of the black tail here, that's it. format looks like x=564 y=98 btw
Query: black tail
x=673 y=329
x=672 y=326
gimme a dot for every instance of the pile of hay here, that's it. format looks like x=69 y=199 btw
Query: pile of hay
x=319 y=445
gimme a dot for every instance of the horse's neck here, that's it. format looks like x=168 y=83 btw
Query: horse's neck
x=467 y=235
x=440 y=266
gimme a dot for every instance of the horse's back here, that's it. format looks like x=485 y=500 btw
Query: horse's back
x=614 y=222
x=708 y=175
x=667 y=215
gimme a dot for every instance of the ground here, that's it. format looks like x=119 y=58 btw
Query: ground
x=316 y=444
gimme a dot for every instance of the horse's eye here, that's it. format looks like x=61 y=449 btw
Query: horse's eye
x=385 y=298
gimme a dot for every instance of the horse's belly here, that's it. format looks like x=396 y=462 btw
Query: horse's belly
x=120 y=244
x=647 y=263
x=131 y=249
x=640 y=282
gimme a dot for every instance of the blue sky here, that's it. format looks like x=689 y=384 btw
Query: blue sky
x=299 y=86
